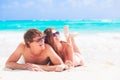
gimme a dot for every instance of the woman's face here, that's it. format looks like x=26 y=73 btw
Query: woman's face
x=56 y=35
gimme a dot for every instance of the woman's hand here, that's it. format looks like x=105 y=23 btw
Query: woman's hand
x=69 y=63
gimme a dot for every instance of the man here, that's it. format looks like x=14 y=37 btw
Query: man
x=36 y=54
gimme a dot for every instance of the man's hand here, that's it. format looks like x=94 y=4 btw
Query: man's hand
x=60 y=68
x=33 y=67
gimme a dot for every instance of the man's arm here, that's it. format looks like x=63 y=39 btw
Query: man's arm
x=37 y=67
x=57 y=62
x=12 y=60
x=55 y=59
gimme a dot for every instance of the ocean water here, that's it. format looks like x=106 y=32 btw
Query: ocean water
x=74 y=25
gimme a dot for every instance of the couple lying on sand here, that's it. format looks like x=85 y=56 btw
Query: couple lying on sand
x=46 y=52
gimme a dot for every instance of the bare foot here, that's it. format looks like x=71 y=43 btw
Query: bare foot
x=66 y=32
x=68 y=35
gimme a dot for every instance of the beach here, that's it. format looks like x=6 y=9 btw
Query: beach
x=100 y=50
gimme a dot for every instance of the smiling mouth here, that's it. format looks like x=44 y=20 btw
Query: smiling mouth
x=41 y=45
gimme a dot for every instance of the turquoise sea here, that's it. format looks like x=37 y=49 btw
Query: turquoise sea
x=74 y=25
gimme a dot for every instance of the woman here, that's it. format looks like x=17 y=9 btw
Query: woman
x=68 y=51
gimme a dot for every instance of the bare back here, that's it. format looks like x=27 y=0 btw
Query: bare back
x=66 y=53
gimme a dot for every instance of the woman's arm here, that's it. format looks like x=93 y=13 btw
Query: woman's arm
x=68 y=55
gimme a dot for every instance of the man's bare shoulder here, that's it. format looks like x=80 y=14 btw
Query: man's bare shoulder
x=47 y=46
x=19 y=50
x=21 y=46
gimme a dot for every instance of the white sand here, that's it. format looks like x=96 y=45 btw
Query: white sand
x=101 y=52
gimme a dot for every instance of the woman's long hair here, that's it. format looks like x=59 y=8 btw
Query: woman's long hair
x=49 y=39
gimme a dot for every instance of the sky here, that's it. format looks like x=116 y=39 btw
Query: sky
x=59 y=9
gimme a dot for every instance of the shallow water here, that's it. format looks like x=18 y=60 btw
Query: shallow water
x=85 y=26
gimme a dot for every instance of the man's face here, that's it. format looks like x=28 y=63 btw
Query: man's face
x=38 y=42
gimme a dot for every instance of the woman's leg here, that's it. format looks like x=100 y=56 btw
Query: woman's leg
x=66 y=33
x=70 y=38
